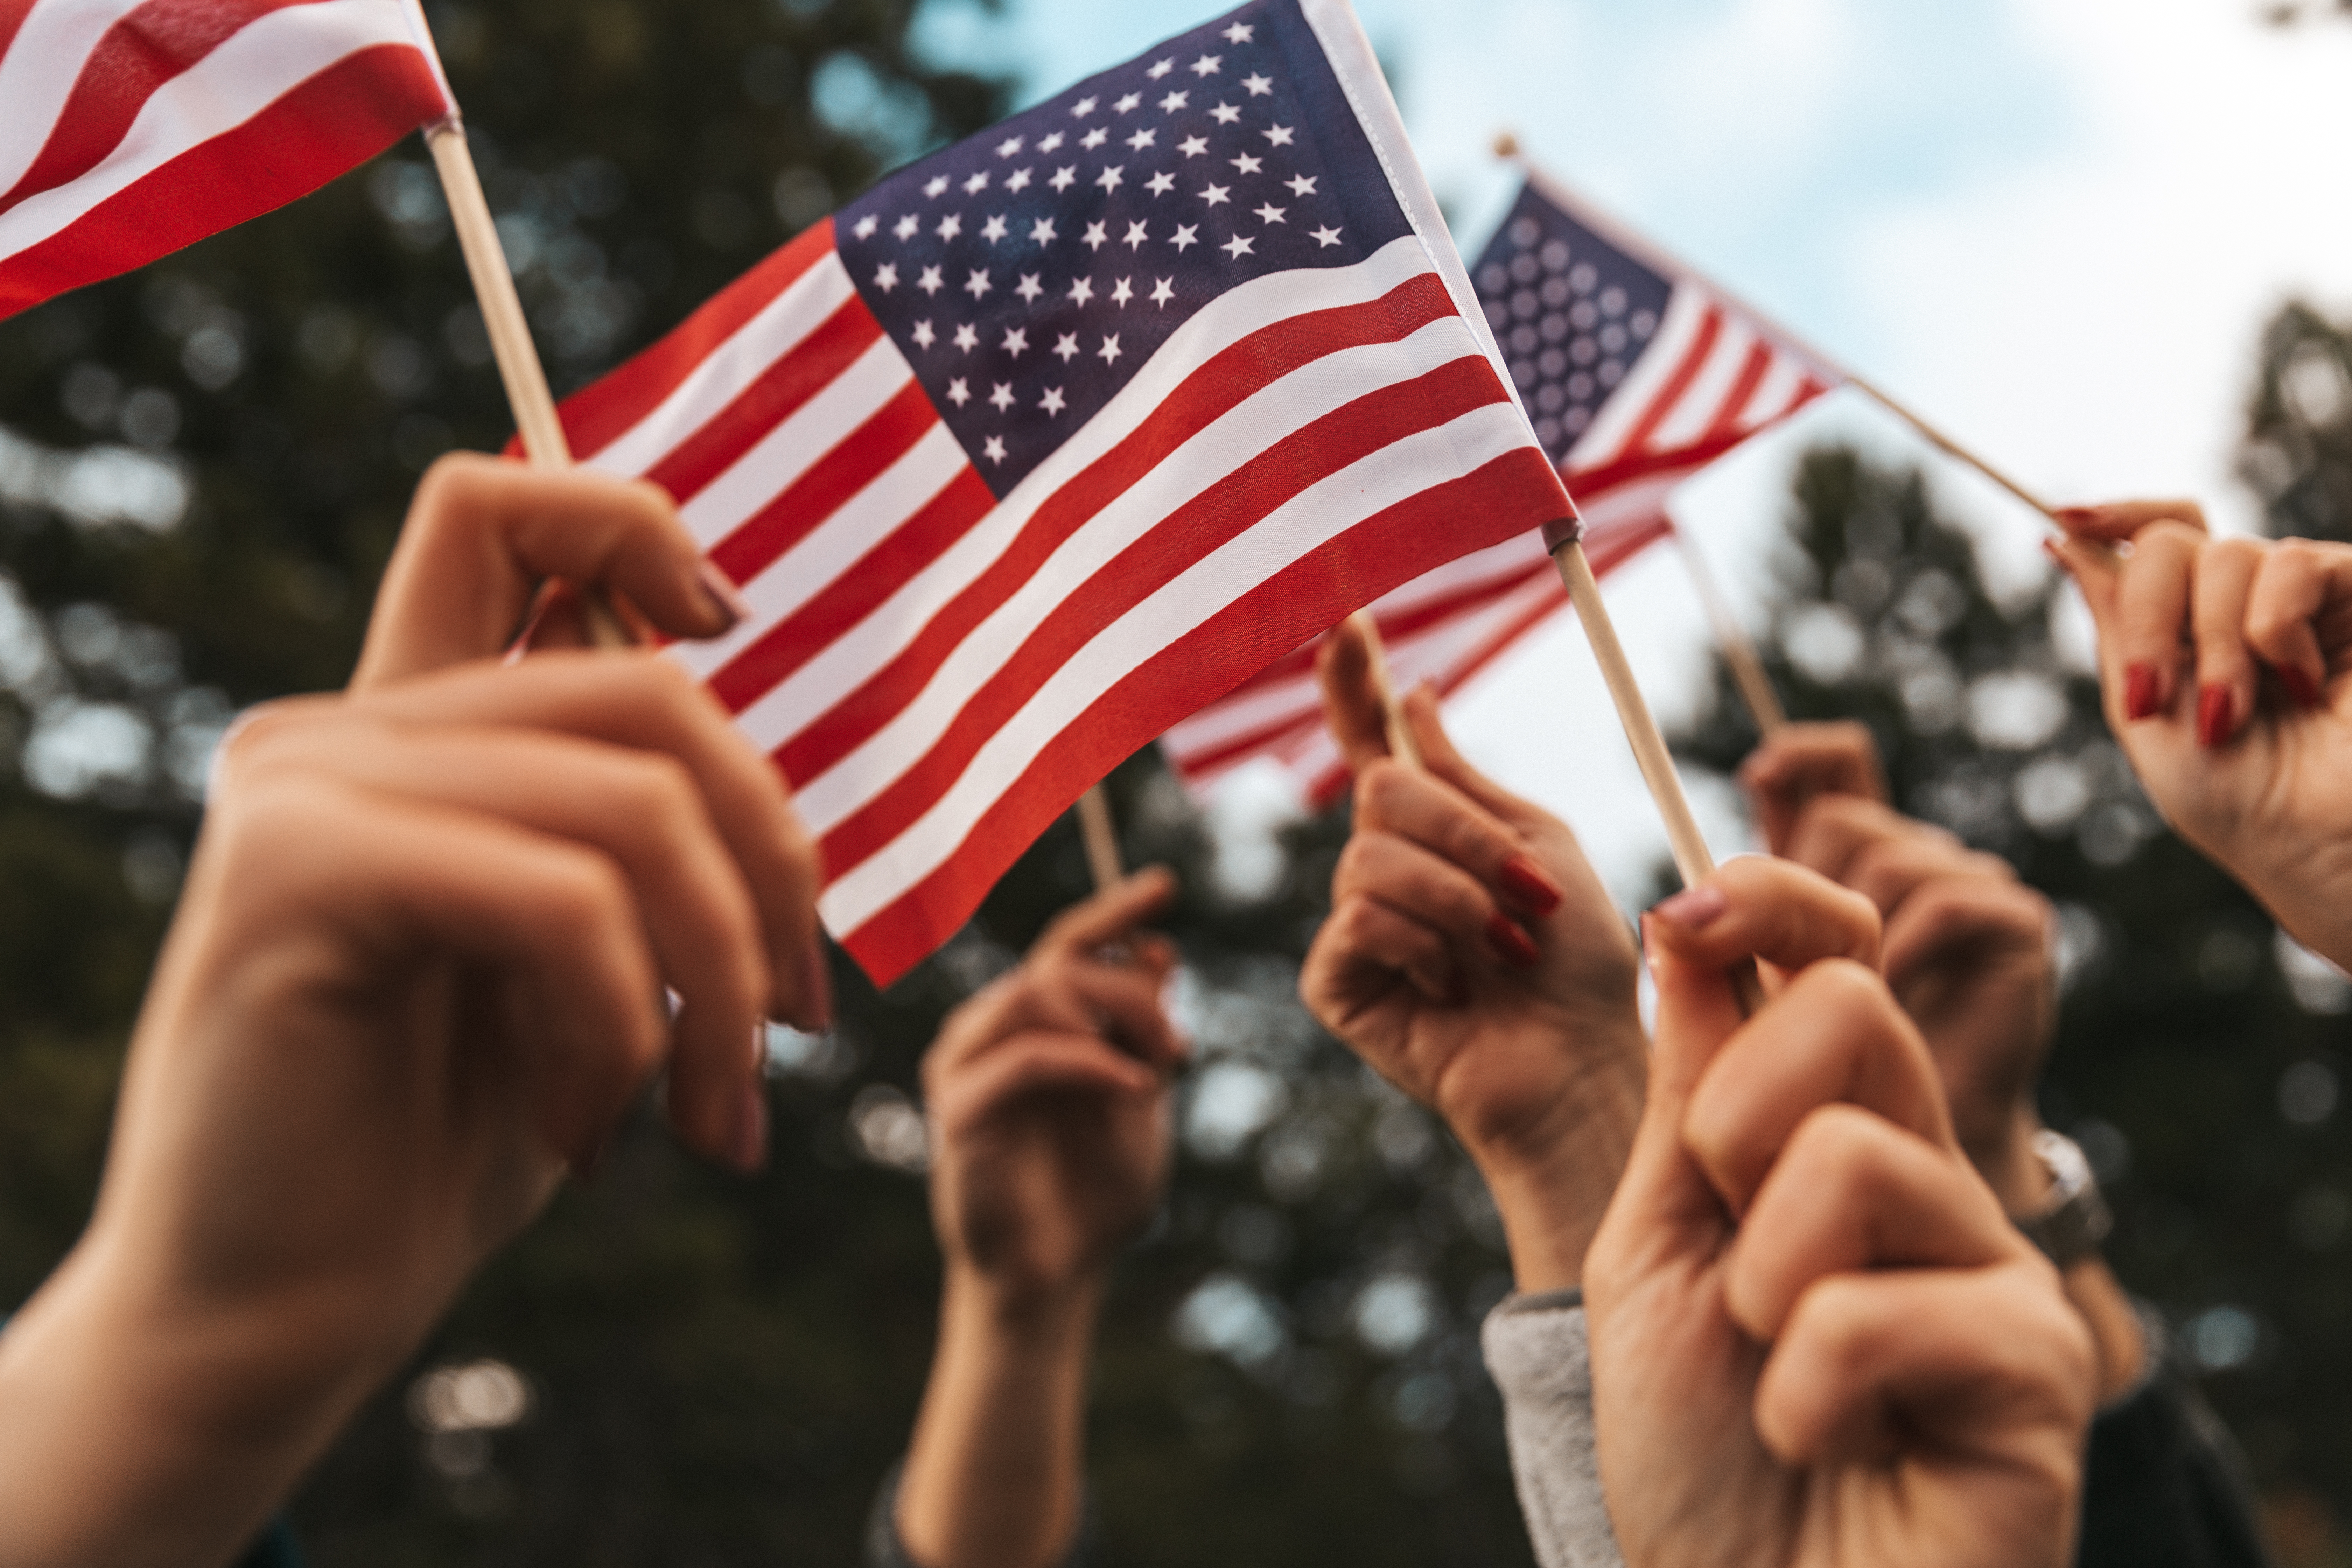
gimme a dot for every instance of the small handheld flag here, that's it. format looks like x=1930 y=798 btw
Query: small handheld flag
x=131 y=128
x=1059 y=434
x=1638 y=374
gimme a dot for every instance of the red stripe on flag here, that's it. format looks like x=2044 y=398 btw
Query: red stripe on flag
x=1752 y=372
x=1419 y=534
x=145 y=48
x=1232 y=507
x=12 y=18
x=781 y=390
x=861 y=457
x=1671 y=395
x=601 y=415
x=343 y=116
x=1204 y=396
x=849 y=598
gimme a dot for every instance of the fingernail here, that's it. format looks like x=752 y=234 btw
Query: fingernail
x=1694 y=909
x=751 y=1131
x=2299 y=685
x=817 y=989
x=2076 y=513
x=2141 y=698
x=1528 y=884
x=2215 y=713
x=1511 y=944
x=726 y=600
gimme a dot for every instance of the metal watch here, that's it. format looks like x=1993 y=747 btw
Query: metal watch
x=2076 y=1219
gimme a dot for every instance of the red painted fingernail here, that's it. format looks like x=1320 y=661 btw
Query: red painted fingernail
x=2299 y=685
x=1694 y=909
x=2141 y=698
x=2216 y=715
x=725 y=599
x=1530 y=885
x=1511 y=944
x=2077 y=513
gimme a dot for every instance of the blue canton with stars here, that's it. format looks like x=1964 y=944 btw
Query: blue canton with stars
x=1571 y=311
x=1028 y=273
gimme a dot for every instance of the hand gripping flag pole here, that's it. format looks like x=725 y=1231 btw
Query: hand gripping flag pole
x=529 y=398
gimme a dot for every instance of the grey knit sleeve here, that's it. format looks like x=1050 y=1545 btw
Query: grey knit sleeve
x=1537 y=1353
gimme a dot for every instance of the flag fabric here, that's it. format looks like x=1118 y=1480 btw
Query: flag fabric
x=131 y=128
x=1059 y=434
x=1637 y=374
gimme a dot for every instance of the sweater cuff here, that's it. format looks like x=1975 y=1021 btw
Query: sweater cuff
x=1536 y=1350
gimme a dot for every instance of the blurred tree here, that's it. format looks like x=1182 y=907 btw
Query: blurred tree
x=2298 y=451
x=202 y=469
x=2199 y=1052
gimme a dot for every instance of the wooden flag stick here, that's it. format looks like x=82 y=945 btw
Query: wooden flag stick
x=1401 y=745
x=528 y=393
x=1101 y=835
x=1692 y=857
x=1748 y=670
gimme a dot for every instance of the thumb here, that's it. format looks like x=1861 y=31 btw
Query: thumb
x=1663 y=1208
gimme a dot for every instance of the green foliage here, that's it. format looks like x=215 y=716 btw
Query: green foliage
x=2298 y=451
x=2198 y=1054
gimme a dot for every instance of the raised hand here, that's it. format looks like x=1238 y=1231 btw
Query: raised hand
x=1815 y=1338
x=417 y=972
x=1473 y=959
x=2223 y=664
x=1803 y=762
x=1048 y=1097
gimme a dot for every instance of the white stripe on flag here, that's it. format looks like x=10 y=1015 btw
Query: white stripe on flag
x=836 y=546
x=1393 y=474
x=728 y=372
x=1776 y=394
x=779 y=458
x=1694 y=415
x=246 y=74
x=43 y=65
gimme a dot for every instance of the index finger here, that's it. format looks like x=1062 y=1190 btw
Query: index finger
x=481 y=537
x=2122 y=520
x=1111 y=916
x=1803 y=761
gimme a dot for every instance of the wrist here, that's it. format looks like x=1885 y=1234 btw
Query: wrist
x=1020 y=1312
x=1551 y=1179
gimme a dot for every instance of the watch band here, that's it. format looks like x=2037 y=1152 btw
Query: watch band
x=2077 y=1218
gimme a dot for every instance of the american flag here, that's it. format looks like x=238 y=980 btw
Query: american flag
x=1057 y=435
x=131 y=128
x=1638 y=374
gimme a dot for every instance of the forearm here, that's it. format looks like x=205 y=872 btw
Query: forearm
x=131 y=1436
x=993 y=1478
x=1551 y=1189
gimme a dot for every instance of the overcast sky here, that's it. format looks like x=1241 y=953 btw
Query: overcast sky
x=2054 y=227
